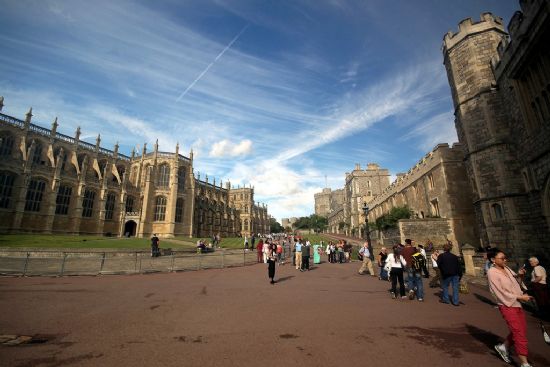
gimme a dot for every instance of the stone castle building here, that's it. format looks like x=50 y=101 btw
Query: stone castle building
x=500 y=87
x=436 y=190
x=289 y=222
x=345 y=213
x=54 y=183
x=327 y=201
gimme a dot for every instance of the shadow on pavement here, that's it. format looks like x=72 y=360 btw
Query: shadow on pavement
x=285 y=278
x=485 y=299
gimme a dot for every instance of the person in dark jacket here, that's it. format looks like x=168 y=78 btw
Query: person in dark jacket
x=451 y=273
x=306 y=252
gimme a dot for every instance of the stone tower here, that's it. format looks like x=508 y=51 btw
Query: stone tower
x=485 y=130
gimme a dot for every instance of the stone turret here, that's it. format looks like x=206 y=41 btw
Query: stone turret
x=482 y=122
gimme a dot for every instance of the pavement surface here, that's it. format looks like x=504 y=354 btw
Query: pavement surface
x=234 y=317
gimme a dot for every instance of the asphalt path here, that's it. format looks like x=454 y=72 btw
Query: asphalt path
x=233 y=317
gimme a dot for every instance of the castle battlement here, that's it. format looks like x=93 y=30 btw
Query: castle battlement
x=432 y=158
x=468 y=27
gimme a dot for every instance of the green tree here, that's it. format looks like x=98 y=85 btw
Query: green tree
x=389 y=220
x=275 y=227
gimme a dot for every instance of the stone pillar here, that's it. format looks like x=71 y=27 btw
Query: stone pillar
x=468 y=253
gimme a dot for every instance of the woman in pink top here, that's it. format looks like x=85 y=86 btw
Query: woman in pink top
x=506 y=289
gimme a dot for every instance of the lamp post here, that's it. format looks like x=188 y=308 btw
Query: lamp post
x=367 y=232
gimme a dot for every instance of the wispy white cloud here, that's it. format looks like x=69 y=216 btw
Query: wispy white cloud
x=225 y=148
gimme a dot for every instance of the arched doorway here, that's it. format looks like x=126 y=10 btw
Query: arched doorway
x=130 y=228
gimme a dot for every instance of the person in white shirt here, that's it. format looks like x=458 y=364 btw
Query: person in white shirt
x=395 y=263
x=434 y=282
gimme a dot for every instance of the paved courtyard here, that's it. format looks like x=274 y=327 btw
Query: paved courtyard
x=234 y=317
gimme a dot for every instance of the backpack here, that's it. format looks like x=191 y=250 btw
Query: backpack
x=418 y=261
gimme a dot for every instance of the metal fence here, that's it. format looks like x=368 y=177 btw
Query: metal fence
x=60 y=263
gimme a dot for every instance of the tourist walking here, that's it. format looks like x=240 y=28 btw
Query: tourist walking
x=395 y=263
x=367 y=263
x=539 y=288
x=425 y=266
x=280 y=253
x=407 y=252
x=506 y=289
x=271 y=256
x=306 y=253
x=259 y=250
x=381 y=260
x=155 y=252
x=418 y=263
x=298 y=255
x=451 y=273
x=435 y=281
x=266 y=250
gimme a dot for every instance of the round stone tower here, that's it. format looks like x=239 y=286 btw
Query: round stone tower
x=483 y=127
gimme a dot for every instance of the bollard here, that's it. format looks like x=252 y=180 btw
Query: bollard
x=63 y=264
x=172 y=263
x=102 y=263
x=26 y=263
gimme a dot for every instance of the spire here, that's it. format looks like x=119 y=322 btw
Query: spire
x=144 y=151
x=157 y=146
x=1 y=102
x=133 y=152
x=28 y=118
x=97 y=142
x=177 y=148
x=77 y=134
x=191 y=155
x=54 y=126
x=116 y=147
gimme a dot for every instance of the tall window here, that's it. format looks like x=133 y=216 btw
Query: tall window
x=435 y=208
x=34 y=195
x=179 y=210
x=37 y=157
x=63 y=199
x=129 y=204
x=246 y=224
x=497 y=211
x=164 y=176
x=160 y=208
x=88 y=203
x=181 y=178
x=110 y=206
x=6 y=186
x=6 y=145
x=431 y=181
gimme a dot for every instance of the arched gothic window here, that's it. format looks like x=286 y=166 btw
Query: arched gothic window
x=6 y=187
x=63 y=199
x=110 y=206
x=164 y=176
x=88 y=203
x=181 y=178
x=35 y=192
x=6 y=145
x=179 y=210
x=160 y=209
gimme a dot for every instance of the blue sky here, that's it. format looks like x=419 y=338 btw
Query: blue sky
x=274 y=94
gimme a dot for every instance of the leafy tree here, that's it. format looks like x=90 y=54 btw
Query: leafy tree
x=389 y=220
x=275 y=227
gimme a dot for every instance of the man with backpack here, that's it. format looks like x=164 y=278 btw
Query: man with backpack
x=417 y=264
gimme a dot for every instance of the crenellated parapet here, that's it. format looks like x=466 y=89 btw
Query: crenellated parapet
x=468 y=27
x=441 y=152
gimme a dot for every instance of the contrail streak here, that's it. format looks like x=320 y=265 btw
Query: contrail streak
x=212 y=63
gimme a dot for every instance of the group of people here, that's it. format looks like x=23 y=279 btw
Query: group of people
x=339 y=252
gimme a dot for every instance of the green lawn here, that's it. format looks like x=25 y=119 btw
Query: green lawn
x=238 y=242
x=69 y=241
